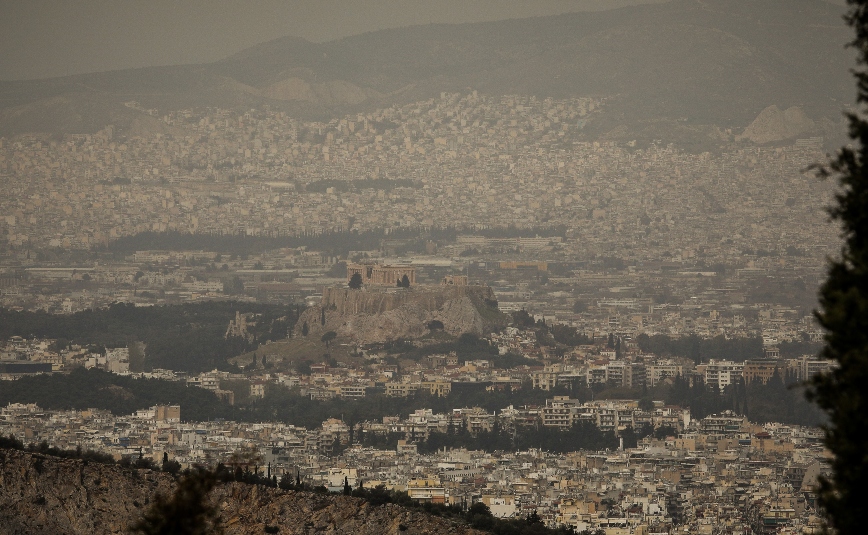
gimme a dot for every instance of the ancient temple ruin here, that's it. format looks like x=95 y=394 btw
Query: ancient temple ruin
x=381 y=275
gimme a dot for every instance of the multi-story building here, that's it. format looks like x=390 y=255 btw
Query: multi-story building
x=660 y=371
x=811 y=366
x=547 y=378
x=720 y=373
x=560 y=412
x=761 y=370
x=401 y=390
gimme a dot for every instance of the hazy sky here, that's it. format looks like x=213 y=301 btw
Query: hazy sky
x=44 y=38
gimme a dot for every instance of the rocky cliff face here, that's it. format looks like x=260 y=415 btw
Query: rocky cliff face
x=43 y=494
x=379 y=315
x=46 y=495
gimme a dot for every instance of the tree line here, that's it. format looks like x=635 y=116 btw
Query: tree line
x=781 y=400
x=702 y=349
x=121 y=395
x=187 y=509
x=337 y=243
x=187 y=337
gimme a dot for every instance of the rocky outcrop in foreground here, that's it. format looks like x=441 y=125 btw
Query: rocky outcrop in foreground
x=40 y=494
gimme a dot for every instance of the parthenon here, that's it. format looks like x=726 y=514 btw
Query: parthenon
x=381 y=275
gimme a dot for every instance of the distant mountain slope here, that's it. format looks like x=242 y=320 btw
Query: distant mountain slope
x=692 y=61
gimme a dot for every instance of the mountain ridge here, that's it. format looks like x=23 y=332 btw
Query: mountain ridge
x=729 y=60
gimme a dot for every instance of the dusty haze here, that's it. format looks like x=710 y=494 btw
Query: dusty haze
x=43 y=39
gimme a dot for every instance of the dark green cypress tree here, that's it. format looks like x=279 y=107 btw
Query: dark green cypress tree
x=843 y=313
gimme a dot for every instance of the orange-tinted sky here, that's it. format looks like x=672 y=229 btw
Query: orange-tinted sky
x=44 y=38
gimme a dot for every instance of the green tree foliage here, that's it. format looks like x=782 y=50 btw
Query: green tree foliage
x=780 y=400
x=477 y=516
x=337 y=270
x=233 y=286
x=513 y=360
x=328 y=337
x=844 y=314
x=799 y=349
x=570 y=336
x=170 y=466
x=124 y=395
x=468 y=346
x=522 y=320
x=702 y=349
x=338 y=243
x=355 y=281
x=187 y=511
x=646 y=404
x=43 y=448
x=188 y=337
x=82 y=389
x=583 y=435
x=580 y=307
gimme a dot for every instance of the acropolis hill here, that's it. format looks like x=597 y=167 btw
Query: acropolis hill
x=379 y=313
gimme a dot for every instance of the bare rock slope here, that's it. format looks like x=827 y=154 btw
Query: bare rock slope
x=380 y=315
x=775 y=125
x=41 y=494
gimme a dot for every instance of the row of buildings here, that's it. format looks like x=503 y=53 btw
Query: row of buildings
x=719 y=475
x=459 y=160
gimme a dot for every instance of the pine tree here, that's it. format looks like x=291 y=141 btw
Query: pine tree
x=186 y=512
x=843 y=313
x=328 y=337
x=355 y=281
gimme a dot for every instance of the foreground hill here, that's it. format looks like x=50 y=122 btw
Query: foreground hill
x=41 y=494
x=684 y=62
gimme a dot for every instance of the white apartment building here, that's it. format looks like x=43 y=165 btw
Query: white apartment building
x=721 y=373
